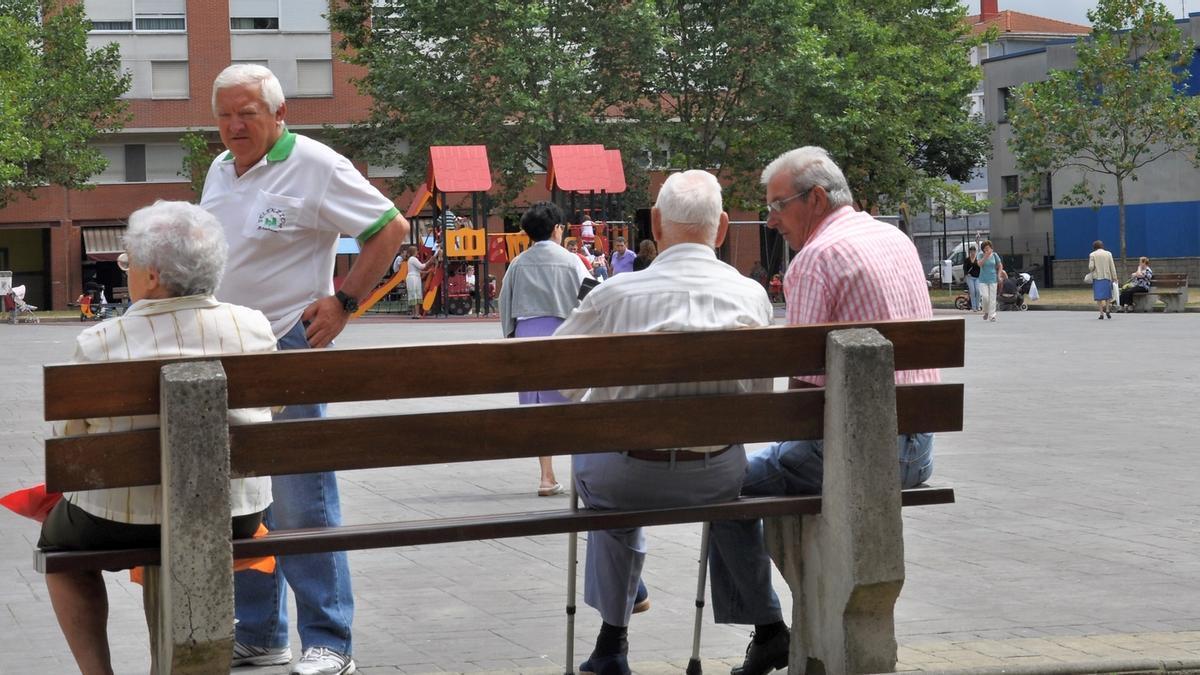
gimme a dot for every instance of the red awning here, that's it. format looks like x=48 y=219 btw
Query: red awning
x=459 y=168
x=578 y=168
x=616 y=172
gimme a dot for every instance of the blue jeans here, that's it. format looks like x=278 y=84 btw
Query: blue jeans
x=320 y=581
x=738 y=561
x=973 y=291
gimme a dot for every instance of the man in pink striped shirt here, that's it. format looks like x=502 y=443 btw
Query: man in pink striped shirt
x=850 y=267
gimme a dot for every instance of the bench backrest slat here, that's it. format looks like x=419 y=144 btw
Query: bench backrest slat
x=472 y=368
x=1170 y=280
x=131 y=458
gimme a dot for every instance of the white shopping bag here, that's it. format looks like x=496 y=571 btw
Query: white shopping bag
x=1033 y=294
x=1116 y=292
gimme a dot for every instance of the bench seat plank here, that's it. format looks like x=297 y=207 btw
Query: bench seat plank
x=132 y=458
x=472 y=528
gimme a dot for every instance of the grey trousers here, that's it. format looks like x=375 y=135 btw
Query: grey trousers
x=612 y=480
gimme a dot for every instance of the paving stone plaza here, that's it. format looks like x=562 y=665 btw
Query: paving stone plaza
x=1075 y=537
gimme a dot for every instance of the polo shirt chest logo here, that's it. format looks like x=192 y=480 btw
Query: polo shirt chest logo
x=272 y=219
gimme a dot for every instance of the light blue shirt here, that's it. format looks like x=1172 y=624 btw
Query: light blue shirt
x=988 y=269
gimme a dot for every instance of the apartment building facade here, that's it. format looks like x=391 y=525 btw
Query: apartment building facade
x=1162 y=206
x=173 y=49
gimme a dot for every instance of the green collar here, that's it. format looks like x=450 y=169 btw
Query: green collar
x=278 y=152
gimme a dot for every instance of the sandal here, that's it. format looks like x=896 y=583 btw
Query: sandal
x=550 y=491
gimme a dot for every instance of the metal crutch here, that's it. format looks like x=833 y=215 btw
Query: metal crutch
x=572 y=560
x=693 y=666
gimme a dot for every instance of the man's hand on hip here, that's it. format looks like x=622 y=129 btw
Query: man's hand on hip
x=325 y=319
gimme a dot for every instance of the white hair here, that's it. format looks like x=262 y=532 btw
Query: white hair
x=690 y=202
x=810 y=166
x=241 y=74
x=183 y=242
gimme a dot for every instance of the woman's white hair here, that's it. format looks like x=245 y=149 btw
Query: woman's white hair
x=810 y=166
x=183 y=242
x=690 y=203
x=241 y=74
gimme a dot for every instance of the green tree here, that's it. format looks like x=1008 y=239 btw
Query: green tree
x=198 y=155
x=56 y=95
x=1124 y=105
x=891 y=101
x=720 y=70
x=515 y=75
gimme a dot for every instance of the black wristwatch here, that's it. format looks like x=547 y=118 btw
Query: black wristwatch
x=349 y=304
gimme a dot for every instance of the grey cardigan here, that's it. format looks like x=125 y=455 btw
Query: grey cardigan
x=542 y=281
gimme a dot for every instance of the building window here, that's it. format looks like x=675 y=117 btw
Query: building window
x=1004 y=96
x=1012 y=191
x=254 y=23
x=1045 y=194
x=135 y=163
x=164 y=162
x=160 y=22
x=314 y=77
x=115 y=171
x=169 y=79
x=112 y=25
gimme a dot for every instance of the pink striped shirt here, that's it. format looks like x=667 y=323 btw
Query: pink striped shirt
x=856 y=268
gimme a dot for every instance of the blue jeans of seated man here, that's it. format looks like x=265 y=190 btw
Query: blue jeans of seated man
x=739 y=564
x=320 y=581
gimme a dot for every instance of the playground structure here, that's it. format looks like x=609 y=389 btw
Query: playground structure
x=582 y=179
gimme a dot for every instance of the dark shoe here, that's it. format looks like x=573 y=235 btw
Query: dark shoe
x=763 y=658
x=613 y=664
x=641 y=601
x=1108 y=314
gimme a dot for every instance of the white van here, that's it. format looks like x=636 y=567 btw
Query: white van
x=957 y=256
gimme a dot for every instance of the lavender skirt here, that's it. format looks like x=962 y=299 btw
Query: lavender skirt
x=539 y=326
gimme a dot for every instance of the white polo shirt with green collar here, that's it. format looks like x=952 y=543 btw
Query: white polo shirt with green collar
x=282 y=219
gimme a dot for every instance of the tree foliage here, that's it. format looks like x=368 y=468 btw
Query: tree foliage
x=198 y=156
x=514 y=75
x=883 y=84
x=891 y=104
x=55 y=96
x=1126 y=104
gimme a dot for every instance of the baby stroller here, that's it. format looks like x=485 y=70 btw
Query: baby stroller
x=1010 y=296
x=22 y=311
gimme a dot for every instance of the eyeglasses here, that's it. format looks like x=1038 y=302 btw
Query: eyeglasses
x=123 y=262
x=777 y=205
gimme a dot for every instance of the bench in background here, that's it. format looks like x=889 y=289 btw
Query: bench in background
x=842 y=553
x=1171 y=289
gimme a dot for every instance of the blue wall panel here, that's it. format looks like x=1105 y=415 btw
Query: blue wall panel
x=1167 y=230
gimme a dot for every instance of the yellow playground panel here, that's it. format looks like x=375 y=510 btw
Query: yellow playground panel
x=466 y=243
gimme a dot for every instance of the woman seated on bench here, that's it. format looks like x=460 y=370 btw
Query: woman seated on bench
x=175 y=255
x=1139 y=282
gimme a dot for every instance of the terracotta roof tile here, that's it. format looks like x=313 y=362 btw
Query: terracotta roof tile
x=1009 y=21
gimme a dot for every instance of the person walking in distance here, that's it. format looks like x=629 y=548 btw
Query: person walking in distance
x=990 y=269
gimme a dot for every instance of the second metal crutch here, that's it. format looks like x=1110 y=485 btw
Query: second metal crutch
x=693 y=666
x=572 y=558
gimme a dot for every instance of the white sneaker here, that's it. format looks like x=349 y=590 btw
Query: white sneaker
x=249 y=655
x=323 y=661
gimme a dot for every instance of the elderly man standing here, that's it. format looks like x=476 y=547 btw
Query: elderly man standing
x=283 y=199
x=685 y=289
x=850 y=267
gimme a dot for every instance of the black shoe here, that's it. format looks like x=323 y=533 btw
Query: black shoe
x=765 y=657
x=613 y=664
x=1108 y=314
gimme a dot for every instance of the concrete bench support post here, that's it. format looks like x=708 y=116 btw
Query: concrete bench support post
x=845 y=566
x=194 y=632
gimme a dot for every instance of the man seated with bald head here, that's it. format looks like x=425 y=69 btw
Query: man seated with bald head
x=685 y=289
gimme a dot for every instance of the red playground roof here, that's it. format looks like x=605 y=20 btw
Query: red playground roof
x=459 y=168
x=578 y=168
x=616 y=172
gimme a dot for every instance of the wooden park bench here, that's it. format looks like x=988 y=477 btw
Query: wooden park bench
x=845 y=572
x=1172 y=289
